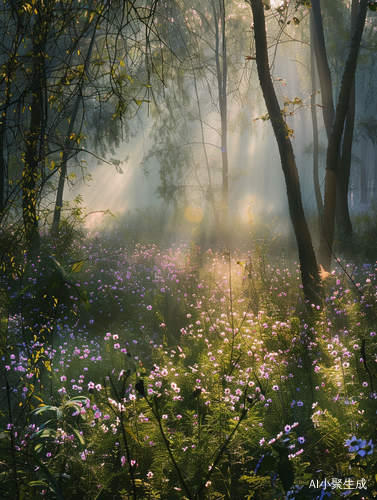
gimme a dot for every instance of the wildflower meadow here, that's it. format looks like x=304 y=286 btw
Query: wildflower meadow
x=137 y=371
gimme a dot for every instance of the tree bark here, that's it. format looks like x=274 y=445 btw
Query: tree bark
x=327 y=237
x=344 y=161
x=33 y=137
x=3 y=166
x=324 y=73
x=308 y=263
x=210 y=193
x=313 y=109
x=222 y=78
x=342 y=209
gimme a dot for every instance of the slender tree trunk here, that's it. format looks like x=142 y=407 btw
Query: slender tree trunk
x=308 y=263
x=327 y=236
x=344 y=220
x=210 y=194
x=317 y=188
x=34 y=137
x=30 y=176
x=3 y=166
x=222 y=77
x=324 y=73
x=67 y=144
x=8 y=70
x=342 y=209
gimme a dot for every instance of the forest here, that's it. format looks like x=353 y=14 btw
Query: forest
x=188 y=242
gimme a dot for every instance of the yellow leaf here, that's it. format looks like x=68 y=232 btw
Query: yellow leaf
x=77 y=267
x=47 y=365
x=121 y=62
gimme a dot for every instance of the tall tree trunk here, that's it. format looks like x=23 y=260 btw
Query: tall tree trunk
x=34 y=137
x=68 y=141
x=210 y=194
x=3 y=165
x=8 y=71
x=342 y=208
x=222 y=78
x=327 y=236
x=324 y=73
x=313 y=108
x=30 y=175
x=308 y=263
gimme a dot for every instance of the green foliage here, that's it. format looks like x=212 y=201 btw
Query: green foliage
x=218 y=376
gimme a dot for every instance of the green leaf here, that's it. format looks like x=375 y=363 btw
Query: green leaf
x=38 y=483
x=131 y=434
x=372 y=6
x=286 y=474
x=44 y=408
x=79 y=436
x=38 y=447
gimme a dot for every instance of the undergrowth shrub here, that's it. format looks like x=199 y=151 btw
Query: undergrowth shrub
x=184 y=372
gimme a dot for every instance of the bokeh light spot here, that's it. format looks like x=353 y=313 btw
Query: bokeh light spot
x=194 y=213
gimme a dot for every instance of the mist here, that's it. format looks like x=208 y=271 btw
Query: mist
x=253 y=154
x=188 y=249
